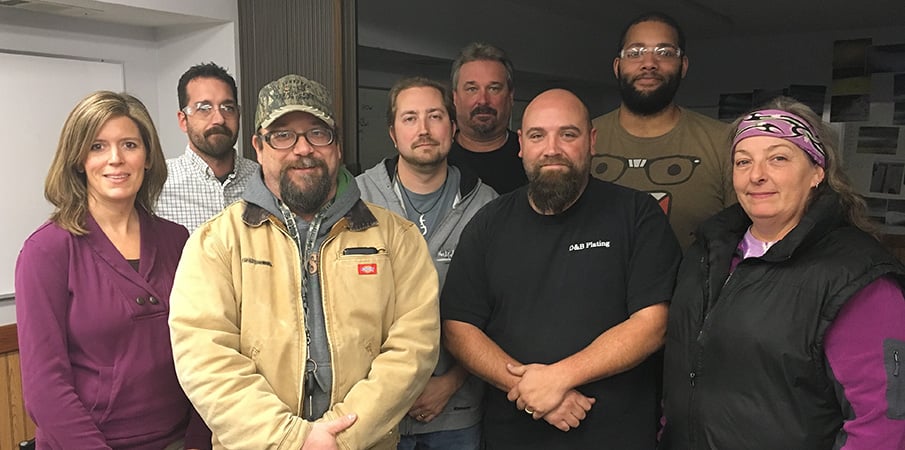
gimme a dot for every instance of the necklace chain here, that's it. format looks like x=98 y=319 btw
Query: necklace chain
x=422 y=223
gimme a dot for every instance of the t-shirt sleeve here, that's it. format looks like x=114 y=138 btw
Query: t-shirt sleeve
x=654 y=259
x=466 y=292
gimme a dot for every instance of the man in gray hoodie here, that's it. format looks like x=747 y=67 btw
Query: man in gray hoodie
x=440 y=198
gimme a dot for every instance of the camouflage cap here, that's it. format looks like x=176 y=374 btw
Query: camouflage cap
x=293 y=93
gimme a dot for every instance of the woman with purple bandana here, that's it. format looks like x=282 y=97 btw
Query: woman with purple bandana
x=787 y=326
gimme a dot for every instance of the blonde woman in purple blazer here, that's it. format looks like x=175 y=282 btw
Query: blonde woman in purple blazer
x=93 y=287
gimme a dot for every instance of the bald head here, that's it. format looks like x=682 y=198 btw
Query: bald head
x=556 y=143
x=559 y=100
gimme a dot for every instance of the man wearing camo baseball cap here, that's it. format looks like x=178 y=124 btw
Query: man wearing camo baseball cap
x=306 y=317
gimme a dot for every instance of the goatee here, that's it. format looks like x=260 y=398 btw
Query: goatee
x=300 y=200
x=483 y=128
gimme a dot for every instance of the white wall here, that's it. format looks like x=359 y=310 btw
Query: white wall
x=177 y=50
x=152 y=58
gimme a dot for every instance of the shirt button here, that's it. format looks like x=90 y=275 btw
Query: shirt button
x=153 y=300
x=140 y=301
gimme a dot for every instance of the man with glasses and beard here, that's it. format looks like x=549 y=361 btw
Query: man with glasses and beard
x=483 y=95
x=557 y=294
x=650 y=143
x=210 y=174
x=302 y=317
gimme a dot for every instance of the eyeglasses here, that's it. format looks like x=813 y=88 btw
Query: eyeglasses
x=660 y=53
x=286 y=139
x=205 y=109
x=664 y=171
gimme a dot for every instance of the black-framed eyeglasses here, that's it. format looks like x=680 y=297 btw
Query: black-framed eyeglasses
x=286 y=139
x=205 y=109
x=664 y=171
x=660 y=52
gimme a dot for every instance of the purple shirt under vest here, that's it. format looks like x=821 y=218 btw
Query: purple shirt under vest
x=854 y=348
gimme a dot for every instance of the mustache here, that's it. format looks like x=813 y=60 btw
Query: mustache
x=555 y=159
x=424 y=141
x=307 y=162
x=483 y=109
x=218 y=129
x=655 y=76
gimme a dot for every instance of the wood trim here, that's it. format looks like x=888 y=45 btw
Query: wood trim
x=9 y=341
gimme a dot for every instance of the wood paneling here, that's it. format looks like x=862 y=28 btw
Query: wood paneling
x=15 y=425
x=8 y=340
x=314 y=39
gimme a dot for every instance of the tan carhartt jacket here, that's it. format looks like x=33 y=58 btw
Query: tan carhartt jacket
x=239 y=339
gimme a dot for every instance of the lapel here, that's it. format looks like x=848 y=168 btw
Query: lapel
x=107 y=252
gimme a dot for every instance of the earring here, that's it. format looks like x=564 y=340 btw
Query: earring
x=817 y=185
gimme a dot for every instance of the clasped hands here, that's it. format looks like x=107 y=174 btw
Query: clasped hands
x=542 y=392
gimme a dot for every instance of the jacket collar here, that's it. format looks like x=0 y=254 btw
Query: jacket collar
x=358 y=218
x=729 y=226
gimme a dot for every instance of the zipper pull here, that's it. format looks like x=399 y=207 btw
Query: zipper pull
x=310 y=384
x=895 y=358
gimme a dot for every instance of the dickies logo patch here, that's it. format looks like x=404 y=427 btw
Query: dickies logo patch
x=367 y=269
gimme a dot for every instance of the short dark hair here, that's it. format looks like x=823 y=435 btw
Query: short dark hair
x=204 y=70
x=654 y=16
x=411 y=82
x=479 y=51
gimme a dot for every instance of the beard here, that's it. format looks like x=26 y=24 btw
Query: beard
x=217 y=142
x=484 y=127
x=646 y=104
x=306 y=201
x=553 y=191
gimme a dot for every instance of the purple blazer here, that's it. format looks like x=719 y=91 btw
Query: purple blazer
x=97 y=367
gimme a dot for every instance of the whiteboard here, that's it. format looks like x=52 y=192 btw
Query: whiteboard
x=37 y=92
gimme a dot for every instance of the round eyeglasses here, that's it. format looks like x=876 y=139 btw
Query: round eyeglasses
x=663 y=171
x=286 y=139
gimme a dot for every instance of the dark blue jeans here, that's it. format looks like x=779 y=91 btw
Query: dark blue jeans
x=464 y=439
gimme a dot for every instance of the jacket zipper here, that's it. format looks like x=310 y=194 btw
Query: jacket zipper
x=895 y=358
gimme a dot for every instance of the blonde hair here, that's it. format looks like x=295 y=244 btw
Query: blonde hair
x=850 y=203
x=66 y=184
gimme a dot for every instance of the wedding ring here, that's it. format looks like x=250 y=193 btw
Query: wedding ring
x=421 y=416
x=529 y=411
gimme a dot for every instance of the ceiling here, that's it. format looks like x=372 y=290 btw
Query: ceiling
x=551 y=42
x=574 y=39
x=103 y=12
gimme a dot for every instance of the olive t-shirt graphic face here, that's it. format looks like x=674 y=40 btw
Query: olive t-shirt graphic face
x=662 y=171
x=686 y=170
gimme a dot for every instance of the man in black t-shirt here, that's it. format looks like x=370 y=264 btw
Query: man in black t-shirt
x=557 y=294
x=483 y=95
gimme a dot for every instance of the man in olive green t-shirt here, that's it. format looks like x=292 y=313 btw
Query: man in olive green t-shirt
x=650 y=143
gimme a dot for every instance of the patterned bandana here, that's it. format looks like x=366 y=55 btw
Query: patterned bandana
x=783 y=125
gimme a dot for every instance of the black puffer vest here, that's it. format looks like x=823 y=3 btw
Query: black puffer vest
x=744 y=362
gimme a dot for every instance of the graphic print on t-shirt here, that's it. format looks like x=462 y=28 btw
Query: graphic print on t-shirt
x=662 y=171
